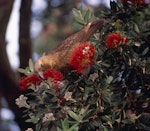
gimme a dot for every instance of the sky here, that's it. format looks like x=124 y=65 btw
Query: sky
x=12 y=35
x=97 y=2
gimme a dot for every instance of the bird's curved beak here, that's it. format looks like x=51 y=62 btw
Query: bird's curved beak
x=97 y=24
x=93 y=26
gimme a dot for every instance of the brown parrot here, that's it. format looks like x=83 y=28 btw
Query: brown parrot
x=58 y=58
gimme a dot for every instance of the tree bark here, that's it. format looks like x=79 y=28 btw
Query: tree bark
x=25 y=44
x=25 y=47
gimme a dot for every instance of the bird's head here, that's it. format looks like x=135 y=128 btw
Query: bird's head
x=43 y=64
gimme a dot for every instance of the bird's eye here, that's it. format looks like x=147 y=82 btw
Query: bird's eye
x=45 y=66
x=42 y=65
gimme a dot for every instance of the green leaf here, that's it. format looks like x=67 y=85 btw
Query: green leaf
x=87 y=16
x=123 y=114
x=74 y=127
x=76 y=12
x=143 y=127
x=126 y=121
x=83 y=110
x=78 y=16
x=148 y=68
x=137 y=44
x=105 y=129
x=136 y=28
x=105 y=64
x=31 y=65
x=33 y=120
x=105 y=95
x=65 y=125
x=145 y=51
x=79 y=20
x=106 y=118
x=73 y=115
x=23 y=71
x=38 y=127
x=58 y=129
x=109 y=79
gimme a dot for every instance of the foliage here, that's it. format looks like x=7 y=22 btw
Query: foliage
x=114 y=94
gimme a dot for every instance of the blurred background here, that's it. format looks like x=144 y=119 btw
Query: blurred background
x=29 y=28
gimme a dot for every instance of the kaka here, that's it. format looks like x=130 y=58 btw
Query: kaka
x=58 y=58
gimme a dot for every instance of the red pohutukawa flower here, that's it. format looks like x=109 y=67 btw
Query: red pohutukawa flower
x=114 y=40
x=62 y=100
x=53 y=74
x=82 y=57
x=27 y=81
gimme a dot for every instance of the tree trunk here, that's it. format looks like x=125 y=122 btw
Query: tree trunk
x=25 y=44
x=25 y=47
